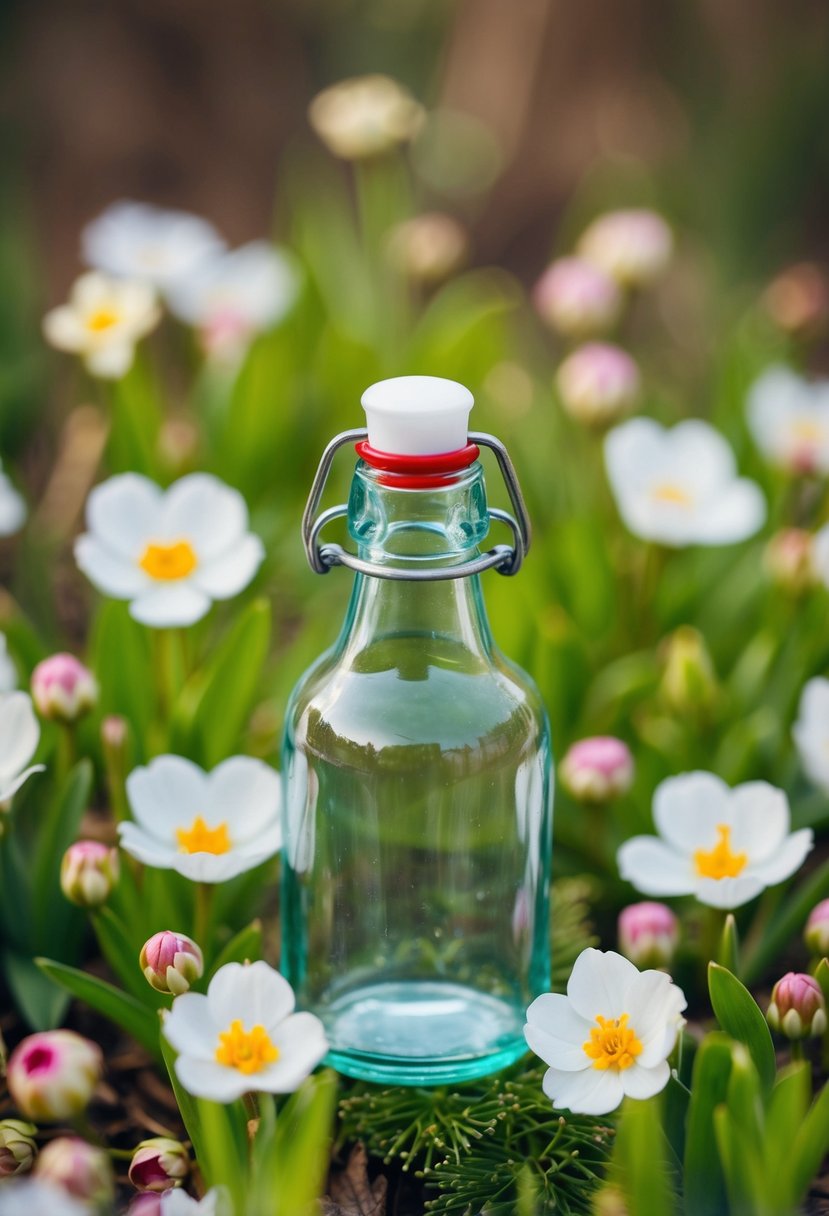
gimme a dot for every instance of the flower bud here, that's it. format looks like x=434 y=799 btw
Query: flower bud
x=365 y=116
x=576 y=298
x=597 y=770
x=63 y=690
x=797 y=300
x=598 y=383
x=797 y=1006
x=689 y=681
x=17 y=1147
x=52 y=1075
x=171 y=962
x=159 y=1164
x=648 y=934
x=88 y=873
x=428 y=248
x=78 y=1168
x=633 y=247
x=816 y=933
x=788 y=560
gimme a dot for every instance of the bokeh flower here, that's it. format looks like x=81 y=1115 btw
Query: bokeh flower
x=797 y=1007
x=820 y=554
x=17 y=1147
x=34 y=1197
x=103 y=321
x=428 y=248
x=52 y=1075
x=207 y=826
x=576 y=298
x=365 y=116
x=88 y=872
x=789 y=560
x=19 y=737
x=77 y=1168
x=816 y=933
x=679 y=486
x=797 y=300
x=233 y=297
x=138 y=241
x=597 y=769
x=724 y=846
x=159 y=1164
x=12 y=507
x=648 y=934
x=8 y=671
x=169 y=552
x=634 y=247
x=598 y=383
x=171 y=962
x=789 y=420
x=63 y=689
x=689 y=682
x=811 y=731
x=179 y=1203
x=609 y=1037
x=243 y=1035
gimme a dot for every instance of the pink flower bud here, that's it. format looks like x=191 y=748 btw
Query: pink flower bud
x=576 y=298
x=52 y=1075
x=788 y=560
x=797 y=1006
x=816 y=932
x=598 y=383
x=633 y=247
x=159 y=1164
x=798 y=300
x=648 y=934
x=88 y=873
x=17 y=1147
x=171 y=962
x=78 y=1168
x=114 y=732
x=428 y=248
x=63 y=689
x=597 y=769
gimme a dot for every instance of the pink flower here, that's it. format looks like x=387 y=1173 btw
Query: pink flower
x=52 y=1075
x=576 y=298
x=171 y=962
x=78 y=1168
x=648 y=934
x=788 y=560
x=598 y=383
x=159 y=1164
x=797 y=1006
x=63 y=689
x=88 y=873
x=634 y=247
x=816 y=932
x=597 y=769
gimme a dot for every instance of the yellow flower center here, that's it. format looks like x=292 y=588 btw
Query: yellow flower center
x=199 y=838
x=247 y=1051
x=168 y=562
x=101 y=319
x=612 y=1043
x=669 y=491
x=806 y=430
x=721 y=861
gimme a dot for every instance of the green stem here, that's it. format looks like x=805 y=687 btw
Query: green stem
x=797 y=1050
x=65 y=760
x=204 y=904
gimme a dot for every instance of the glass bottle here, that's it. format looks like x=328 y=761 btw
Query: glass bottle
x=416 y=767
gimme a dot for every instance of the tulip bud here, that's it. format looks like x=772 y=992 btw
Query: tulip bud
x=633 y=247
x=648 y=934
x=52 y=1075
x=428 y=248
x=816 y=933
x=159 y=1164
x=63 y=690
x=597 y=770
x=576 y=298
x=788 y=560
x=365 y=116
x=798 y=300
x=689 y=681
x=78 y=1168
x=17 y=1147
x=171 y=962
x=797 y=1006
x=88 y=873
x=598 y=383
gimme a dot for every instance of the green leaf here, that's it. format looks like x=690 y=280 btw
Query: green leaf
x=292 y=1174
x=119 y=951
x=640 y=1162
x=785 y=1113
x=739 y=1015
x=822 y=977
x=704 y=1179
x=52 y=913
x=186 y=1102
x=811 y=1145
x=121 y=656
x=742 y=1165
x=136 y=1019
x=245 y=946
x=729 y=949
x=41 y=1004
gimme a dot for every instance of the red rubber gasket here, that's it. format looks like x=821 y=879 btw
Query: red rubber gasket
x=417 y=472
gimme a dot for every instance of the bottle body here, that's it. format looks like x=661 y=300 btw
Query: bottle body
x=417 y=815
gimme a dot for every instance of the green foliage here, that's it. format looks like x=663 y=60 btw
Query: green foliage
x=119 y=1007
x=739 y=1015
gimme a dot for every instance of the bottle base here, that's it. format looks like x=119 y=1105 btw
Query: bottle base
x=422 y=1033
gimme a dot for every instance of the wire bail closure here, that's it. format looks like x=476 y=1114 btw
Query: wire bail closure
x=506 y=559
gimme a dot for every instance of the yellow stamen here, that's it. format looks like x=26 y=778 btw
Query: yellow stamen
x=806 y=430
x=199 y=838
x=101 y=319
x=720 y=862
x=168 y=562
x=669 y=491
x=248 y=1051
x=612 y=1043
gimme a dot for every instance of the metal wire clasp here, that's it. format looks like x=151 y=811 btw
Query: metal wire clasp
x=506 y=559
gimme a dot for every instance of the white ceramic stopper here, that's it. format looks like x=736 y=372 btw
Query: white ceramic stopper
x=417 y=415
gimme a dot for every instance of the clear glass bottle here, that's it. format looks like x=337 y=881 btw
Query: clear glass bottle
x=417 y=766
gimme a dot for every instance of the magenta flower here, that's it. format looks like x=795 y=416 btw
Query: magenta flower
x=648 y=934
x=52 y=1075
x=63 y=689
x=171 y=962
x=816 y=932
x=576 y=298
x=78 y=1168
x=158 y=1165
x=598 y=383
x=88 y=873
x=597 y=769
x=797 y=1006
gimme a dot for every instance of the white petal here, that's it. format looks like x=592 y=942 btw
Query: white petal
x=811 y=730
x=111 y=573
x=787 y=859
x=733 y=515
x=203 y=510
x=639 y=1082
x=112 y=361
x=146 y=848
x=12 y=508
x=687 y=809
x=168 y=794
x=633 y=450
x=728 y=893
x=759 y=819
x=9 y=788
x=701 y=456
x=245 y=793
x=19 y=733
x=556 y=1033
x=171 y=604
x=599 y=982
x=593 y=1091
x=225 y=576
x=210 y=867
x=655 y=868
x=124 y=514
x=190 y=1028
x=302 y=1045
x=653 y=1004
x=207 y=1079
x=64 y=329
x=254 y=993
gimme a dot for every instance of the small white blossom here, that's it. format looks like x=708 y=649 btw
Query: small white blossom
x=365 y=116
x=789 y=419
x=243 y=1035
x=179 y=1203
x=207 y=826
x=680 y=486
x=102 y=322
x=19 y=737
x=31 y=1197
x=169 y=552
x=12 y=507
x=138 y=241
x=811 y=731
x=722 y=845
x=609 y=1037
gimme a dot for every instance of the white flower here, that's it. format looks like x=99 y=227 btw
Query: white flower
x=12 y=507
x=170 y=552
x=178 y=1203
x=8 y=671
x=610 y=1037
x=235 y=296
x=207 y=826
x=243 y=1036
x=789 y=419
x=721 y=845
x=365 y=116
x=680 y=486
x=811 y=731
x=138 y=241
x=102 y=322
x=31 y=1197
x=634 y=247
x=19 y=737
